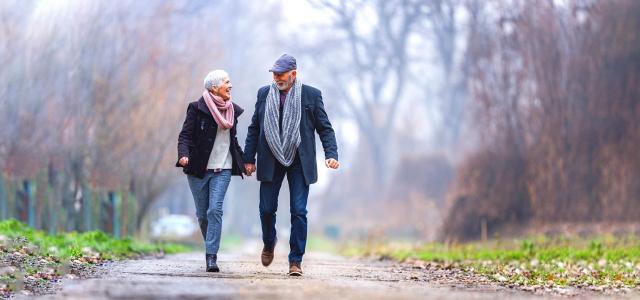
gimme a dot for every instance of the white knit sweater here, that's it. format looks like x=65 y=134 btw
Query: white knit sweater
x=220 y=157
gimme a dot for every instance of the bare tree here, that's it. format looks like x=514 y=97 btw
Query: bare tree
x=374 y=37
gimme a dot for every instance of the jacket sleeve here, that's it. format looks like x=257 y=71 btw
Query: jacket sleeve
x=251 y=143
x=185 y=138
x=325 y=131
x=238 y=148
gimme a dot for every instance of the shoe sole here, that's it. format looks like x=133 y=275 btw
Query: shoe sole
x=295 y=274
x=268 y=263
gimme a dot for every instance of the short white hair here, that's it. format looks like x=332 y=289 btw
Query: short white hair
x=214 y=79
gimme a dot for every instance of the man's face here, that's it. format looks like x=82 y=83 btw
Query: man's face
x=284 y=80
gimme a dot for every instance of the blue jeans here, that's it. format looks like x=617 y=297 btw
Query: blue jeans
x=299 y=192
x=208 y=195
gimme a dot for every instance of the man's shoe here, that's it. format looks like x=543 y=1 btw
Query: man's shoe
x=295 y=269
x=267 y=255
x=211 y=263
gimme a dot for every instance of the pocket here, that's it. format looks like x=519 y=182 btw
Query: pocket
x=309 y=110
x=193 y=157
x=187 y=169
x=207 y=124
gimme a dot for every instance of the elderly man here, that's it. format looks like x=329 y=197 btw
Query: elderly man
x=282 y=133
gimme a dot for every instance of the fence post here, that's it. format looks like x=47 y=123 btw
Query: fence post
x=87 y=209
x=52 y=199
x=52 y=209
x=41 y=198
x=11 y=198
x=29 y=188
x=105 y=213
x=132 y=207
x=124 y=210
x=115 y=204
x=4 y=199
x=96 y=209
x=483 y=229
x=22 y=200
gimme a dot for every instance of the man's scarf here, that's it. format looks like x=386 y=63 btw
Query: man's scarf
x=283 y=146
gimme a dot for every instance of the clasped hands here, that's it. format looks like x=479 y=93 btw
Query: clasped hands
x=250 y=168
x=330 y=163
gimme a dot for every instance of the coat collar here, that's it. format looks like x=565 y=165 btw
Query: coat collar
x=203 y=107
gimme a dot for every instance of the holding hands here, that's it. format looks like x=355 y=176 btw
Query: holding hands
x=249 y=169
x=330 y=163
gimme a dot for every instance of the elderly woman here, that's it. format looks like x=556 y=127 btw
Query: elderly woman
x=209 y=153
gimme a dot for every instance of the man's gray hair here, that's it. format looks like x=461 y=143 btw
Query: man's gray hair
x=214 y=79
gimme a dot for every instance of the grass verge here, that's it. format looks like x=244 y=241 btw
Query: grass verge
x=31 y=260
x=599 y=263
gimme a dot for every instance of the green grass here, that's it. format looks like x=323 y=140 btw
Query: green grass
x=74 y=245
x=230 y=241
x=536 y=261
x=321 y=244
x=40 y=259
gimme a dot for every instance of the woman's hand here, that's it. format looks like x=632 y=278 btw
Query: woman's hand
x=184 y=161
x=249 y=169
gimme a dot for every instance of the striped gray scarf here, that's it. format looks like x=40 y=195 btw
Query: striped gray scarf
x=283 y=146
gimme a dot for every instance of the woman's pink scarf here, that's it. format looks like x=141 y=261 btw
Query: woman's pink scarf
x=217 y=107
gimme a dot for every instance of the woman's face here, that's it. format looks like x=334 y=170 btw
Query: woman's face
x=224 y=90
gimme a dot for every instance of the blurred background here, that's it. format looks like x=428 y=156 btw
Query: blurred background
x=456 y=120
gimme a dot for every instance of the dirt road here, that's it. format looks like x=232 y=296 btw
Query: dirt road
x=326 y=277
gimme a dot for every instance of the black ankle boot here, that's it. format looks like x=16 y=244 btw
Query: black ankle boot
x=211 y=263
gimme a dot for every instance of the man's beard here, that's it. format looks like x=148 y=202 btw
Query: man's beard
x=283 y=85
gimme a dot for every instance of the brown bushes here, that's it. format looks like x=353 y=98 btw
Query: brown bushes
x=558 y=105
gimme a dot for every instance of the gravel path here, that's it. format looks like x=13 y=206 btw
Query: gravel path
x=182 y=276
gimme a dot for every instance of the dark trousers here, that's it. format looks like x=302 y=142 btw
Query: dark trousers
x=299 y=192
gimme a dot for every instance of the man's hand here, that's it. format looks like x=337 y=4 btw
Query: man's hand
x=331 y=163
x=249 y=169
x=184 y=161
